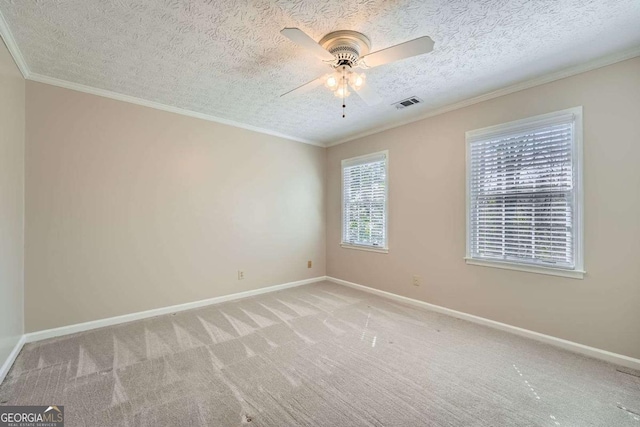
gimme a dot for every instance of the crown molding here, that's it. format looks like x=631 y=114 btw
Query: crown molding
x=6 y=35
x=548 y=78
x=158 y=106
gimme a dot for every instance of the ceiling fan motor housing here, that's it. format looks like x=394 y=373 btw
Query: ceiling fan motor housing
x=345 y=55
x=347 y=46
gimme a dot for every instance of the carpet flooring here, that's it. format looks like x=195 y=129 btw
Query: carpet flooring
x=317 y=355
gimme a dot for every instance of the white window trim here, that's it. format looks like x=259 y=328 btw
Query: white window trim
x=365 y=248
x=363 y=159
x=578 y=271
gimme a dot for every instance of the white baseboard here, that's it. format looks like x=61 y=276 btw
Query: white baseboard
x=94 y=324
x=6 y=366
x=596 y=353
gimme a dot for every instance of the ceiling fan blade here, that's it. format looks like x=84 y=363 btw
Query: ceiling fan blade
x=408 y=49
x=304 y=88
x=300 y=38
x=368 y=95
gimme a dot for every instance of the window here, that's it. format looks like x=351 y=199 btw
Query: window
x=524 y=198
x=364 y=202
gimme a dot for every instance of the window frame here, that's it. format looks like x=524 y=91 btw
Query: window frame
x=578 y=193
x=363 y=158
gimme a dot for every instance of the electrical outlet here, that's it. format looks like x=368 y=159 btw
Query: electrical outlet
x=308 y=264
x=240 y=274
x=417 y=281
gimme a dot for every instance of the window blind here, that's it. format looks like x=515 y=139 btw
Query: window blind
x=521 y=194
x=364 y=191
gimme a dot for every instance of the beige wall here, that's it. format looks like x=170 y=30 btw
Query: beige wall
x=427 y=216
x=12 y=126
x=131 y=208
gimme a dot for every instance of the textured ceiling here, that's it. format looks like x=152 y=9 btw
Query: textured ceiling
x=226 y=58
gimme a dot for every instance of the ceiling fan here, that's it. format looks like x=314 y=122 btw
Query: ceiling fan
x=345 y=51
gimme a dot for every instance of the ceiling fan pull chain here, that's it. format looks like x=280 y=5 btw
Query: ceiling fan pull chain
x=344 y=85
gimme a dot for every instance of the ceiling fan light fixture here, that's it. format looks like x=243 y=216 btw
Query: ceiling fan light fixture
x=331 y=82
x=357 y=80
x=342 y=92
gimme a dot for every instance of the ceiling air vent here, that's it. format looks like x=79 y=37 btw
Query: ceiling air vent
x=407 y=102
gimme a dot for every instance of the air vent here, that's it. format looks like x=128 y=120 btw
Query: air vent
x=407 y=102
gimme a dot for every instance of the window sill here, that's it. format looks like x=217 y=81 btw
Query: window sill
x=573 y=274
x=365 y=248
